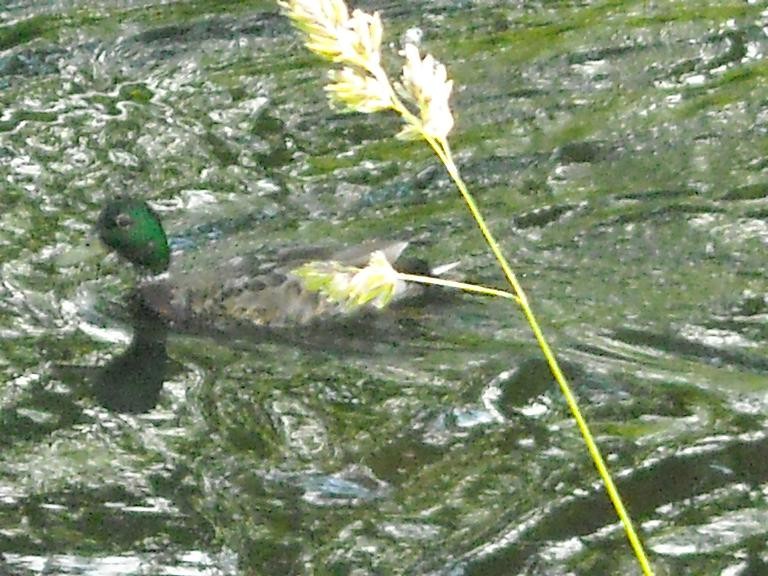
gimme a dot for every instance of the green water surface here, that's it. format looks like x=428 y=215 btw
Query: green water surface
x=620 y=151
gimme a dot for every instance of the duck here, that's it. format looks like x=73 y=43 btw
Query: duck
x=258 y=290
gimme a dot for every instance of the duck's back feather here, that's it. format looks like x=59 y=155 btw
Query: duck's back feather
x=258 y=290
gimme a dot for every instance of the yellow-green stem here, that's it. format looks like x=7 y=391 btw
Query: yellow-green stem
x=443 y=152
x=475 y=288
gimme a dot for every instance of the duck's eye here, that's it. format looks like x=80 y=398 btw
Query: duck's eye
x=123 y=220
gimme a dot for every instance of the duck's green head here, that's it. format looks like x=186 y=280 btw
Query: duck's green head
x=133 y=230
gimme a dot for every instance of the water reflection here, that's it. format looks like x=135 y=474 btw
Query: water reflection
x=694 y=480
x=132 y=381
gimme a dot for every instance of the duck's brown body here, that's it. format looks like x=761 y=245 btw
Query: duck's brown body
x=251 y=290
x=239 y=288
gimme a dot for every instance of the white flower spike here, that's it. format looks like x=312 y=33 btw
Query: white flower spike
x=323 y=21
x=362 y=84
x=357 y=92
x=425 y=83
x=375 y=284
x=334 y=35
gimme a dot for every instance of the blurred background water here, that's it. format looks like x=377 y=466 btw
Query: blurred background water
x=619 y=150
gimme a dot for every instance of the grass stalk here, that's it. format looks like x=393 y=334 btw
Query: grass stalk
x=444 y=154
x=473 y=288
x=353 y=41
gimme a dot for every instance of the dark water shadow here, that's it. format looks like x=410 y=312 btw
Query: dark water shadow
x=675 y=479
x=132 y=381
x=683 y=347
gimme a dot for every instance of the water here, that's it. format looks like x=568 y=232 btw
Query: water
x=619 y=149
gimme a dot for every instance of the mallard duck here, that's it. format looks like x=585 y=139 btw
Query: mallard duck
x=257 y=290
